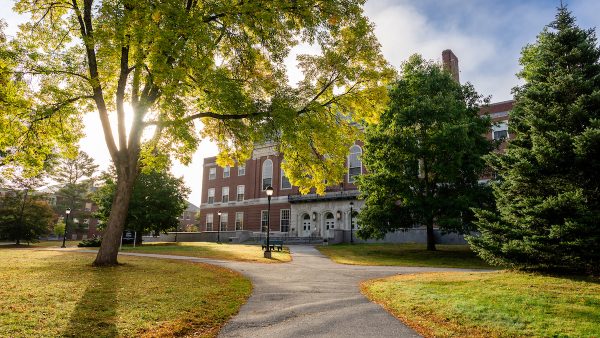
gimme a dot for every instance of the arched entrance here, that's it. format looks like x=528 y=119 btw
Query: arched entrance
x=306 y=225
x=329 y=224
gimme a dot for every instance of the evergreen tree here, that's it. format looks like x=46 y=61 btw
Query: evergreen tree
x=548 y=197
x=424 y=157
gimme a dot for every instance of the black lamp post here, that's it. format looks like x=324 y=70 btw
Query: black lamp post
x=219 y=228
x=68 y=211
x=269 y=191
x=351 y=223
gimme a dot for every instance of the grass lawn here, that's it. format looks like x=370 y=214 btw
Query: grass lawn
x=446 y=256
x=502 y=304
x=43 y=244
x=234 y=252
x=52 y=294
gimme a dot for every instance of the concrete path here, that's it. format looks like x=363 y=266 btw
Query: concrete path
x=310 y=297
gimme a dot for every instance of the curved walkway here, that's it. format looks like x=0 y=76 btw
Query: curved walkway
x=310 y=297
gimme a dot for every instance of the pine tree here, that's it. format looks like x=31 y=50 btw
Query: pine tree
x=424 y=157
x=548 y=195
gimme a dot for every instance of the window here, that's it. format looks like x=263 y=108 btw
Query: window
x=224 y=217
x=329 y=221
x=188 y=216
x=242 y=170
x=500 y=134
x=211 y=196
x=284 y=220
x=209 y=222
x=240 y=193
x=225 y=194
x=500 y=131
x=267 y=174
x=226 y=171
x=354 y=163
x=212 y=173
x=264 y=220
x=239 y=221
x=88 y=206
x=306 y=222
x=285 y=182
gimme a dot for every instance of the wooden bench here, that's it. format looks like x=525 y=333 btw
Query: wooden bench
x=273 y=244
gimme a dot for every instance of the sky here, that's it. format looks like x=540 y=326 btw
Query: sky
x=486 y=35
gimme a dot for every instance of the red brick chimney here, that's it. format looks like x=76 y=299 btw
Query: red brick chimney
x=450 y=63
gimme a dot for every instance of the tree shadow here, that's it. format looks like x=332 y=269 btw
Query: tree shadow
x=95 y=315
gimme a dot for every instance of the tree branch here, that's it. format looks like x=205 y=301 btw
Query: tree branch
x=85 y=27
x=57 y=106
x=202 y=115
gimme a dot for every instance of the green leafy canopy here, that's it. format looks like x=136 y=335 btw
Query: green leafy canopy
x=157 y=201
x=221 y=62
x=424 y=157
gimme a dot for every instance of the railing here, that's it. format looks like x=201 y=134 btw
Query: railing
x=329 y=196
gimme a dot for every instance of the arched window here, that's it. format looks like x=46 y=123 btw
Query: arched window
x=267 y=174
x=354 y=163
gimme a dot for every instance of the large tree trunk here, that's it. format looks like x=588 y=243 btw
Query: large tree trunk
x=109 y=249
x=430 y=236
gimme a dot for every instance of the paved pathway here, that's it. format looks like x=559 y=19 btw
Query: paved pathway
x=310 y=297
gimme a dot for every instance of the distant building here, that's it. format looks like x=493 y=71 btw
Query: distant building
x=84 y=224
x=188 y=220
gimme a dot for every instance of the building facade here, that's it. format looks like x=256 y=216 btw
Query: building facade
x=234 y=198
x=238 y=193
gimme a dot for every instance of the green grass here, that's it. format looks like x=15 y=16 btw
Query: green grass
x=501 y=304
x=447 y=256
x=52 y=294
x=234 y=252
x=42 y=244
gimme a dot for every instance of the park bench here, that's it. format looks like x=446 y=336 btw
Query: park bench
x=273 y=244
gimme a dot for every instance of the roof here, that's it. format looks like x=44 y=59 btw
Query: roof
x=191 y=207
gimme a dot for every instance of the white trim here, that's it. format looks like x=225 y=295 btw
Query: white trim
x=209 y=173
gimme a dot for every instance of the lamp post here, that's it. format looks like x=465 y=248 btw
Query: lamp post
x=269 y=191
x=219 y=228
x=351 y=224
x=68 y=211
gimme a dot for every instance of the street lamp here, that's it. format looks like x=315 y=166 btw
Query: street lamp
x=269 y=191
x=68 y=211
x=351 y=224
x=219 y=228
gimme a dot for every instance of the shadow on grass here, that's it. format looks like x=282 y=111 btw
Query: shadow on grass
x=95 y=315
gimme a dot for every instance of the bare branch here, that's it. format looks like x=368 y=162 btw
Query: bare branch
x=202 y=115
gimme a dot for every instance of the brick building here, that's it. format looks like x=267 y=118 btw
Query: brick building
x=238 y=192
x=188 y=219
